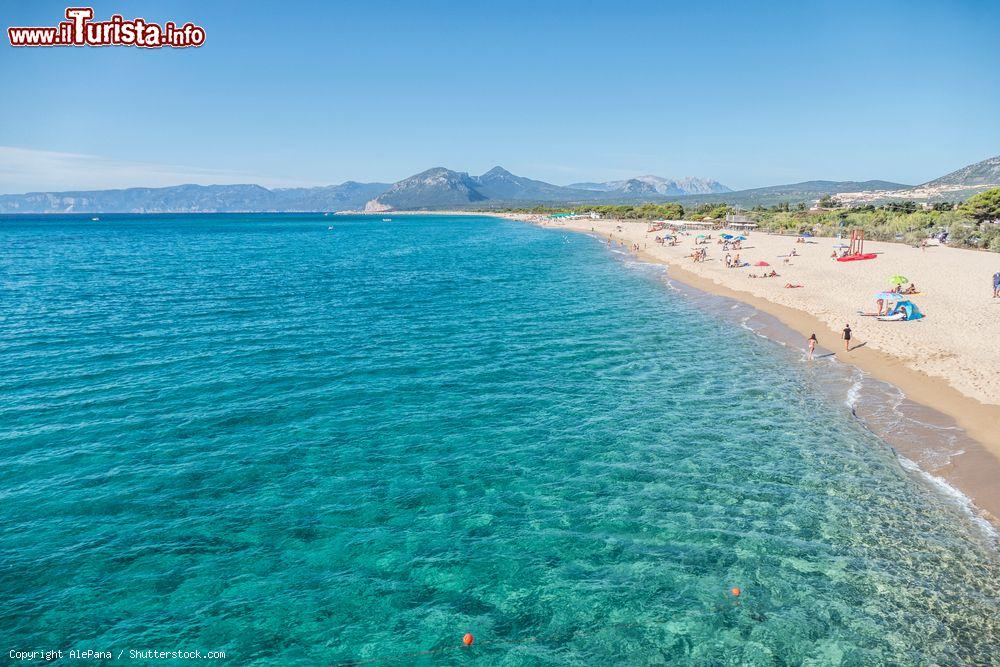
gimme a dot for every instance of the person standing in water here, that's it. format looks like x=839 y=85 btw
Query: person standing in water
x=847 y=337
x=812 y=346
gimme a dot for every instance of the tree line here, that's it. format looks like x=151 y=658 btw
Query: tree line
x=973 y=223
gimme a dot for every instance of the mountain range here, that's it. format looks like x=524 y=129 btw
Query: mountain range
x=195 y=199
x=656 y=185
x=440 y=188
x=956 y=186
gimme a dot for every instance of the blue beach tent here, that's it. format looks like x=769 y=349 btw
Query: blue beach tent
x=908 y=308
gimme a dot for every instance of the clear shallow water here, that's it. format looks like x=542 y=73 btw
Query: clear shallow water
x=304 y=446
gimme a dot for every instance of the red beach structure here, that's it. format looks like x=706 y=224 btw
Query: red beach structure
x=856 y=251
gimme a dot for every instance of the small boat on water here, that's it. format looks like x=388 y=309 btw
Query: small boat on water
x=386 y=219
x=95 y=219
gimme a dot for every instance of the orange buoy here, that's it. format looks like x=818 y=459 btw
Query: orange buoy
x=735 y=590
x=468 y=639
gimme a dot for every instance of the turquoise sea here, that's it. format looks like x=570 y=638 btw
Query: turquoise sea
x=307 y=440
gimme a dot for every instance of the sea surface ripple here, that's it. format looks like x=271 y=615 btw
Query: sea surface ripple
x=306 y=439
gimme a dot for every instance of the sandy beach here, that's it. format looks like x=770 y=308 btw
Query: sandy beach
x=948 y=361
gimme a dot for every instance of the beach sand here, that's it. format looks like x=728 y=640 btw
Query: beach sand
x=949 y=361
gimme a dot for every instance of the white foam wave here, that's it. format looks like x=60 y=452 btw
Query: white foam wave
x=854 y=391
x=963 y=501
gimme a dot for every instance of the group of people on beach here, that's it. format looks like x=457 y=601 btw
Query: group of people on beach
x=846 y=335
x=701 y=255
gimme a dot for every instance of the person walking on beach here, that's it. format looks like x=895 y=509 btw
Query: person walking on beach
x=812 y=346
x=996 y=284
x=847 y=337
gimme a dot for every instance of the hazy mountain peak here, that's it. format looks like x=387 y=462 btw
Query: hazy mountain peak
x=497 y=172
x=985 y=172
x=689 y=185
x=195 y=198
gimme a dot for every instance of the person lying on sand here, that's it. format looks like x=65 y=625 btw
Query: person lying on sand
x=791 y=286
x=911 y=289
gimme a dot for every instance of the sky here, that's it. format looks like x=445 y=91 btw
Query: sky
x=314 y=93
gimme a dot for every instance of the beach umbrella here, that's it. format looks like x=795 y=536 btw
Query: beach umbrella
x=740 y=238
x=726 y=236
x=887 y=296
x=700 y=236
x=899 y=280
x=762 y=263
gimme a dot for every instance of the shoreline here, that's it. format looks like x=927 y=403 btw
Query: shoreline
x=974 y=471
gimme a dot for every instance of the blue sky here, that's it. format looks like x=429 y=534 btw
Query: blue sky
x=289 y=93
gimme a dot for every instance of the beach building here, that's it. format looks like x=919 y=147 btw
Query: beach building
x=694 y=224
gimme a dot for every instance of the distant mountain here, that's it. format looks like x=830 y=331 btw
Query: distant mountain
x=956 y=186
x=435 y=188
x=195 y=198
x=500 y=184
x=656 y=185
x=441 y=188
x=795 y=193
x=792 y=193
x=986 y=172
x=349 y=195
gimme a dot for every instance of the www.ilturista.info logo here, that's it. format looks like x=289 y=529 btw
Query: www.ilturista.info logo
x=80 y=30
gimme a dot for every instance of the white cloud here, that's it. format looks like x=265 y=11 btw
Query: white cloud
x=26 y=170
